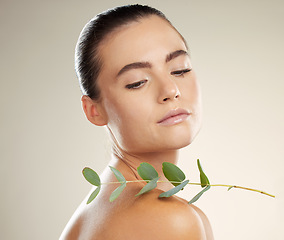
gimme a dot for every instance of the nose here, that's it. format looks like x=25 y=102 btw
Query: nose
x=168 y=91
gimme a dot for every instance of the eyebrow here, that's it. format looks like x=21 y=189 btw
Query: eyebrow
x=134 y=65
x=137 y=65
x=176 y=54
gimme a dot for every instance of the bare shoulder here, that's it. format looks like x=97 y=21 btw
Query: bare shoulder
x=205 y=220
x=73 y=228
x=143 y=217
x=169 y=218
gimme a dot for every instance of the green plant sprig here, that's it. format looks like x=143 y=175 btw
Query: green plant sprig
x=149 y=175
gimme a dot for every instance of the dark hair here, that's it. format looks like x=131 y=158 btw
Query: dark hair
x=87 y=60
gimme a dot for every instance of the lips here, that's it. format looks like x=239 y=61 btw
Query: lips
x=174 y=117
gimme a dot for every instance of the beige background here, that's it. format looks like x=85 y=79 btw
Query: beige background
x=237 y=49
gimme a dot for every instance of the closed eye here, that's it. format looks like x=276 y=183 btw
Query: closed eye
x=181 y=72
x=136 y=84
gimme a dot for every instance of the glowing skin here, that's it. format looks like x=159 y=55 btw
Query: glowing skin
x=150 y=102
x=140 y=84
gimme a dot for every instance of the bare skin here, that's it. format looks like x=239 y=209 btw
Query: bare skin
x=142 y=217
x=133 y=102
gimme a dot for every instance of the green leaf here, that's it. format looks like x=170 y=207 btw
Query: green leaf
x=230 y=188
x=199 y=195
x=118 y=175
x=91 y=176
x=174 y=190
x=94 y=194
x=203 y=178
x=173 y=173
x=147 y=171
x=149 y=186
x=117 y=192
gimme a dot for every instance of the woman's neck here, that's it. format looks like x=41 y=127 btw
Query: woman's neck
x=129 y=162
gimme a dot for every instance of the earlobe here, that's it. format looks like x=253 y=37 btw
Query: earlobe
x=94 y=111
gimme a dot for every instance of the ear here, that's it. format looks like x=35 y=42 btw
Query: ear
x=94 y=111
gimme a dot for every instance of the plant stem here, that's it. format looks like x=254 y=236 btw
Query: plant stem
x=134 y=181
x=245 y=188
x=212 y=185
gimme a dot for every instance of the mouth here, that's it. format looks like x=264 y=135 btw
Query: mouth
x=174 y=117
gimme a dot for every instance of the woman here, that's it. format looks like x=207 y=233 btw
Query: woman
x=137 y=80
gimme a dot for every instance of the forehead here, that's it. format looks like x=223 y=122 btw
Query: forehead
x=150 y=39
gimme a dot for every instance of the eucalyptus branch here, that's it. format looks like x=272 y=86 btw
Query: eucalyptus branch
x=149 y=175
x=198 y=184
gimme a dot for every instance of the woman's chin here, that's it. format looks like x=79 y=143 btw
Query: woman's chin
x=180 y=143
x=168 y=139
x=170 y=144
x=182 y=139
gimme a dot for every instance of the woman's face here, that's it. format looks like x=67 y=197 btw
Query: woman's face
x=149 y=92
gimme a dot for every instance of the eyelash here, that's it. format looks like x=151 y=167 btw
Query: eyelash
x=139 y=84
x=136 y=84
x=181 y=72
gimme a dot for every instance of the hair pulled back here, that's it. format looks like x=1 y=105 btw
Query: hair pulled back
x=88 y=63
